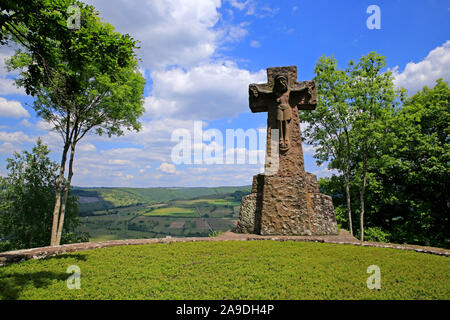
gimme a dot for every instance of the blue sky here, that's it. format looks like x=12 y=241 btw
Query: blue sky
x=199 y=57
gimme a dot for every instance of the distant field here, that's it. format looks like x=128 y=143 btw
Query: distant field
x=211 y=202
x=126 y=213
x=172 y=211
x=229 y=270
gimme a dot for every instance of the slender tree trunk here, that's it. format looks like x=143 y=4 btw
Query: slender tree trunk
x=65 y=196
x=59 y=183
x=347 y=183
x=349 y=208
x=363 y=190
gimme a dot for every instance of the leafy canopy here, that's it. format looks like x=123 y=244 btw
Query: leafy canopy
x=88 y=76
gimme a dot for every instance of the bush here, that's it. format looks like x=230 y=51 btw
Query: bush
x=375 y=234
x=27 y=199
x=5 y=246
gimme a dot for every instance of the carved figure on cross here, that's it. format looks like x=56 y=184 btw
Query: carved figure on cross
x=283 y=96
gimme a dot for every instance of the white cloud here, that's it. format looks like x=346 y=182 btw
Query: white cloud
x=180 y=41
x=308 y=149
x=232 y=33
x=425 y=73
x=42 y=125
x=167 y=168
x=172 y=32
x=12 y=109
x=8 y=148
x=26 y=123
x=255 y=44
x=210 y=91
x=120 y=162
x=254 y=8
x=7 y=84
x=239 y=5
x=325 y=173
x=86 y=147
x=15 y=137
x=5 y=53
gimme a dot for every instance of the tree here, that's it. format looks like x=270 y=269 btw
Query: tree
x=27 y=197
x=414 y=170
x=373 y=97
x=83 y=80
x=329 y=125
x=348 y=122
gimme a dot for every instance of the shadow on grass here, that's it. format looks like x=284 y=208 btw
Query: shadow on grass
x=76 y=256
x=13 y=284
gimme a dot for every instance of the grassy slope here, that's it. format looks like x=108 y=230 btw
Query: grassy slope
x=231 y=270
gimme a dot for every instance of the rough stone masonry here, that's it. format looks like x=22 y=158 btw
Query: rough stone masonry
x=285 y=199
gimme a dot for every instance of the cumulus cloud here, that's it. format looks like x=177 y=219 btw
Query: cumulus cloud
x=87 y=147
x=15 y=137
x=425 y=73
x=12 y=109
x=171 y=32
x=210 y=91
x=179 y=44
x=254 y=8
x=8 y=86
x=308 y=149
x=325 y=173
x=167 y=168
x=180 y=50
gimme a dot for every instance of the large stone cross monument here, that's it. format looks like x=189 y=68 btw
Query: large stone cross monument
x=285 y=200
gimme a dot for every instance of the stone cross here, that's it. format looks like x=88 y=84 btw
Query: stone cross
x=281 y=97
x=287 y=201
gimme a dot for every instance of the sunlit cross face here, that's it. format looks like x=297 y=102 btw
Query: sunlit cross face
x=281 y=84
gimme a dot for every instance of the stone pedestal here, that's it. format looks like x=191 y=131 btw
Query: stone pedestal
x=287 y=206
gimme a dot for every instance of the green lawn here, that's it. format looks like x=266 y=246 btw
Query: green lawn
x=231 y=270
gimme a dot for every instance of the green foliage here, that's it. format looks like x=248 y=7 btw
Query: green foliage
x=391 y=153
x=413 y=172
x=6 y=246
x=329 y=124
x=27 y=198
x=375 y=234
x=407 y=173
x=254 y=270
x=215 y=234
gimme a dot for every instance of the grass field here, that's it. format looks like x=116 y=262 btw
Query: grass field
x=231 y=270
x=172 y=211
